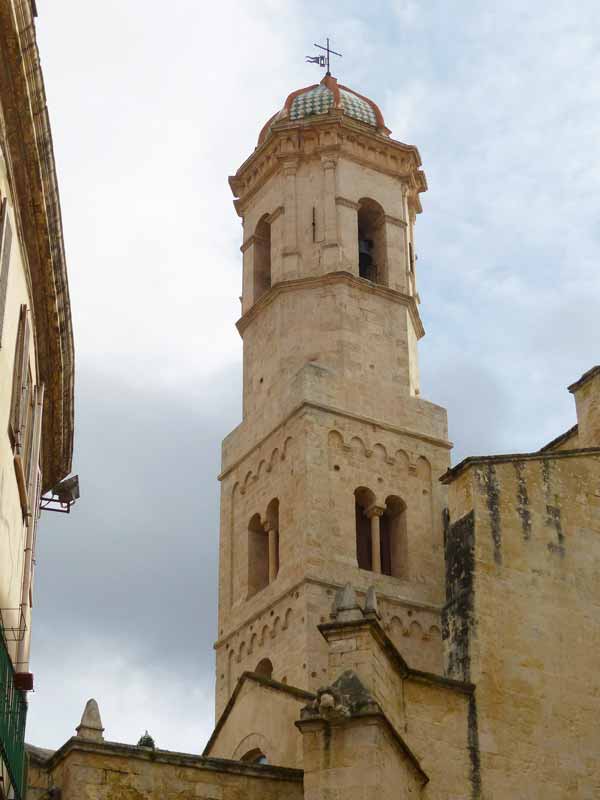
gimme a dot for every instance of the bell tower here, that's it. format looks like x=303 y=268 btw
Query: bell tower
x=332 y=476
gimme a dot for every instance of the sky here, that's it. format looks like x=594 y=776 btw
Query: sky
x=152 y=107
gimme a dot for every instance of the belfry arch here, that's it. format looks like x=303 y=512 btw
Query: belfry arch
x=364 y=499
x=258 y=556
x=262 y=258
x=372 y=251
x=392 y=526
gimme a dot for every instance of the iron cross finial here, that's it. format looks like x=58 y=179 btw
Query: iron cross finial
x=323 y=61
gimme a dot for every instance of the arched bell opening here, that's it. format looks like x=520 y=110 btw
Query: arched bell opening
x=393 y=537
x=262 y=257
x=372 y=261
x=363 y=499
x=258 y=556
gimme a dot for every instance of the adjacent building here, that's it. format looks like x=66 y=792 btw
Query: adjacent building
x=36 y=360
x=389 y=626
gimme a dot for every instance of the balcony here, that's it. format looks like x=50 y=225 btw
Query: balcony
x=13 y=712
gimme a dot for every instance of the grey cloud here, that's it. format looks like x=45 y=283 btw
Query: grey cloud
x=135 y=564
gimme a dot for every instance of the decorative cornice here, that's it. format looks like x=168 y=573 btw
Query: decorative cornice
x=313 y=581
x=386 y=426
x=330 y=136
x=333 y=278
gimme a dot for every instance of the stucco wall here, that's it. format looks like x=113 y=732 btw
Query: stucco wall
x=12 y=525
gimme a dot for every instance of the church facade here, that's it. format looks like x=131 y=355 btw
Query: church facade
x=389 y=626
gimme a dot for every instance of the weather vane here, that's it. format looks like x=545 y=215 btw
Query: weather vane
x=323 y=61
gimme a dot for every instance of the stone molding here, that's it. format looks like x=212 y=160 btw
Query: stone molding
x=254 y=238
x=317 y=281
x=395 y=221
x=406 y=672
x=328 y=138
x=343 y=201
x=386 y=426
x=313 y=581
x=171 y=757
x=294 y=691
x=587 y=376
x=471 y=461
x=276 y=214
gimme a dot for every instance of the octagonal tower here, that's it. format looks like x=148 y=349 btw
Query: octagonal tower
x=332 y=475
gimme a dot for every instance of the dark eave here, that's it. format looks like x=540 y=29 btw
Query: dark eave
x=32 y=174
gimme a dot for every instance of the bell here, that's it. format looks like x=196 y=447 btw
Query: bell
x=364 y=247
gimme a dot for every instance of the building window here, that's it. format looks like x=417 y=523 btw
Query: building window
x=262 y=258
x=372 y=261
x=264 y=668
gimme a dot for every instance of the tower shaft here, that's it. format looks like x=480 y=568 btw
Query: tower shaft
x=332 y=475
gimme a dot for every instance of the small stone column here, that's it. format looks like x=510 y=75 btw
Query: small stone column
x=272 y=533
x=290 y=228
x=374 y=513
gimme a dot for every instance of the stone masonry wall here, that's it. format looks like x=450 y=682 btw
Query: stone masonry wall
x=531 y=639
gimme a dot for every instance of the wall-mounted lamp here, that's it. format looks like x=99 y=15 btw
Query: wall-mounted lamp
x=62 y=497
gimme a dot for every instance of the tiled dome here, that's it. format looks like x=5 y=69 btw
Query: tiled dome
x=320 y=99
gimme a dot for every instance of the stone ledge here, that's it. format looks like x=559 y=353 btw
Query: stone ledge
x=538 y=455
x=340 y=276
x=202 y=762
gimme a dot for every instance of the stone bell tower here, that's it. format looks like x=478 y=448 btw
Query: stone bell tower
x=332 y=476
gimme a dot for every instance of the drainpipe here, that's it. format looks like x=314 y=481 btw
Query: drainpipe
x=32 y=496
